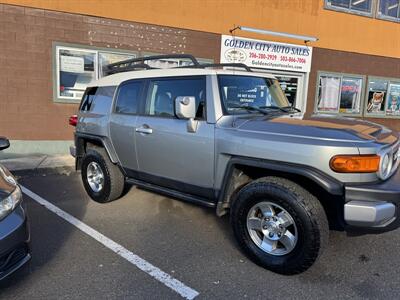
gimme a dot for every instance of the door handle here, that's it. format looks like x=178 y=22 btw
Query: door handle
x=144 y=129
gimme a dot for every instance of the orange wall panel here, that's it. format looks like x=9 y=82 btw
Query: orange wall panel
x=339 y=31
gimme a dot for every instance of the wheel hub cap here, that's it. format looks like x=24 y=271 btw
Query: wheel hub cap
x=272 y=228
x=95 y=176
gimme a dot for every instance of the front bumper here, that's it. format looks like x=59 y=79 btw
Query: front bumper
x=375 y=205
x=14 y=242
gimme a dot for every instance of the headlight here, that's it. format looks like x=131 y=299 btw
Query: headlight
x=385 y=167
x=8 y=204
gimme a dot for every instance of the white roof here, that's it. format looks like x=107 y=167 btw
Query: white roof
x=116 y=79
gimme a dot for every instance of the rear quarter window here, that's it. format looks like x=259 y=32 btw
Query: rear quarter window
x=98 y=99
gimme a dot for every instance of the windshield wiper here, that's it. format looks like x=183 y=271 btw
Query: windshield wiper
x=274 y=107
x=291 y=108
x=250 y=108
x=285 y=109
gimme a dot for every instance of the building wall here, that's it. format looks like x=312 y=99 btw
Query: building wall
x=338 y=31
x=27 y=110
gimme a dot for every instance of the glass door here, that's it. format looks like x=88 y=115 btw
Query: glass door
x=290 y=86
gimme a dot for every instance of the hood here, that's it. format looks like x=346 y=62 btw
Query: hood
x=7 y=182
x=321 y=127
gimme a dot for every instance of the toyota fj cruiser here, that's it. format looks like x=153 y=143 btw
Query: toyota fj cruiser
x=224 y=136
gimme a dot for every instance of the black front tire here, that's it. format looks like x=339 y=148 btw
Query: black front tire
x=306 y=211
x=114 y=180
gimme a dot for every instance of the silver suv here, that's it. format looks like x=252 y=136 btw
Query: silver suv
x=225 y=136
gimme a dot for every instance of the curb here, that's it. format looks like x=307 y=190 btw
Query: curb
x=35 y=163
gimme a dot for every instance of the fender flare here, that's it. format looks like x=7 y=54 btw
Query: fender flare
x=82 y=137
x=326 y=182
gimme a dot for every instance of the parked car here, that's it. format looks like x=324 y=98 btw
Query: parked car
x=14 y=231
x=224 y=136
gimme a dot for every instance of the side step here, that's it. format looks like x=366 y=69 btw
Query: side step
x=171 y=193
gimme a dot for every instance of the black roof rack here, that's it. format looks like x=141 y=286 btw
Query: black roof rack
x=233 y=65
x=139 y=63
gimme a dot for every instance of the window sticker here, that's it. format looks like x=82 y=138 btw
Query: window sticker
x=350 y=96
x=329 y=90
x=376 y=101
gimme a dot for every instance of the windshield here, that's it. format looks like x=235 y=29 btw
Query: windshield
x=241 y=94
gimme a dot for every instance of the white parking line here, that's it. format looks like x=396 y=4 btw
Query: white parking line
x=156 y=273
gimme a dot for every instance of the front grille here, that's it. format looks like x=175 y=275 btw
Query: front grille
x=12 y=258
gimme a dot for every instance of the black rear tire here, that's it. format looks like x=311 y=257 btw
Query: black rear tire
x=306 y=212
x=114 y=180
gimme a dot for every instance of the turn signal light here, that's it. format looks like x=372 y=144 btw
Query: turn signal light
x=355 y=163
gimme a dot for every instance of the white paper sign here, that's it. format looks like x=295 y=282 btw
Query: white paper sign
x=72 y=64
x=265 y=54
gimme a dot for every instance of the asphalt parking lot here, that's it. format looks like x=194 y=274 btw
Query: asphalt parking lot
x=185 y=241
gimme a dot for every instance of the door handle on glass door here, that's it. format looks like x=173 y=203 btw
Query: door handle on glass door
x=144 y=129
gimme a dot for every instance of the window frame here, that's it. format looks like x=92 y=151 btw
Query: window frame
x=370 y=14
x=383 y=116
x=83 y=48
x=341 y=75
x=385 y=17
x=149 y=91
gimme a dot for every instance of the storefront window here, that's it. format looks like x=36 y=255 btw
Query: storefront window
x=383 y=97
x=172 y=63
x=339 y=94
x=350 y=95
x=393 y=99
x=389 y=9
x=76 y=67
x=76 y=70
x=376 y=102
x=352 y=6
x=106 y=58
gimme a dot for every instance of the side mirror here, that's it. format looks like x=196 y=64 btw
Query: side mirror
x=185 y=107
x=4 y=143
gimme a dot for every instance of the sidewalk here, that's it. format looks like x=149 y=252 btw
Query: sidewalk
x=38 y=162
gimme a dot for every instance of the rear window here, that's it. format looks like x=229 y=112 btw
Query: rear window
x=98 y=99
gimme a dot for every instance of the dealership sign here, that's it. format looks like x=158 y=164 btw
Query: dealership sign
x=265 y=54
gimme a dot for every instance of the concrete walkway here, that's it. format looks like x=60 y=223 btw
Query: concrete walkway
x=38 y=162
